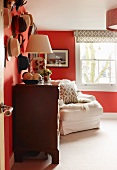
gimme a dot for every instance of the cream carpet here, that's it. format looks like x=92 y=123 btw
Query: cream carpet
x=87 y=150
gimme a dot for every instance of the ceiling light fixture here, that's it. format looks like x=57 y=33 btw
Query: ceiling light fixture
x=111 y=20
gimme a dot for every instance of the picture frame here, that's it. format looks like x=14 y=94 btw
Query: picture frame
x=59 y=58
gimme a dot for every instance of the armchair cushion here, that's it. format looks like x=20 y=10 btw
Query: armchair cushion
x=80 y=116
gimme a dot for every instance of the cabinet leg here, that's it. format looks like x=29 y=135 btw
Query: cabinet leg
x=55 y=157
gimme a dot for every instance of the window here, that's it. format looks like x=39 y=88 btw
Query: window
x=96 y=66
x=98 y=63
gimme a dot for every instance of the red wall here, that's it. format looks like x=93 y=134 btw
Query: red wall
x=58 y=40
x=65 y=40
x=107 y=99
x=11 y=77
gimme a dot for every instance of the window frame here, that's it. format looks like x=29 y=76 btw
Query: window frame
x=91 y=87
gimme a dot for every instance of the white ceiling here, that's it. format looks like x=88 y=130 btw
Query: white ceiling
x=70 y=14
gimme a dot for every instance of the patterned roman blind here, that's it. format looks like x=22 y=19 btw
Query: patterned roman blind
x=95 y=36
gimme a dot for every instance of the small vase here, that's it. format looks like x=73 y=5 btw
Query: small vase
x=46 y=78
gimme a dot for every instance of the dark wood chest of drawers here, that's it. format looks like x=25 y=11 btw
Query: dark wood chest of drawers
x=35 y=120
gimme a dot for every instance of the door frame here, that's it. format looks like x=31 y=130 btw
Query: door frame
x=2 y=53
x=2 y=148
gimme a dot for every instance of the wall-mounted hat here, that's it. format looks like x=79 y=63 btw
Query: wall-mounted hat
x=31 y=18
x=26 y=17
x=21 y=40
x=7 y=18
x=20 y=3
x=19 y=24
x=13 y=47
x=23 y=63
x=9 y=4
x=8 y=47
x=32 y=30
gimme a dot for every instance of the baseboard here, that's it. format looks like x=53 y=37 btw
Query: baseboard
x=12 y=160
x=109 y=115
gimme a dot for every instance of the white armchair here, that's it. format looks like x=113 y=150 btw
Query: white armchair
x=78 y=111
x=80 y=116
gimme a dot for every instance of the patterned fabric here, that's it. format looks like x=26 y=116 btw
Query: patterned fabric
x=95 y=36
x=68 y=93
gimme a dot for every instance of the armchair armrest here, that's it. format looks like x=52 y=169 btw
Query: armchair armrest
x=86 y=96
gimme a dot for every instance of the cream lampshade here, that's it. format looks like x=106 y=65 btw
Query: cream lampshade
x=111 y=20
x=39 y=44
